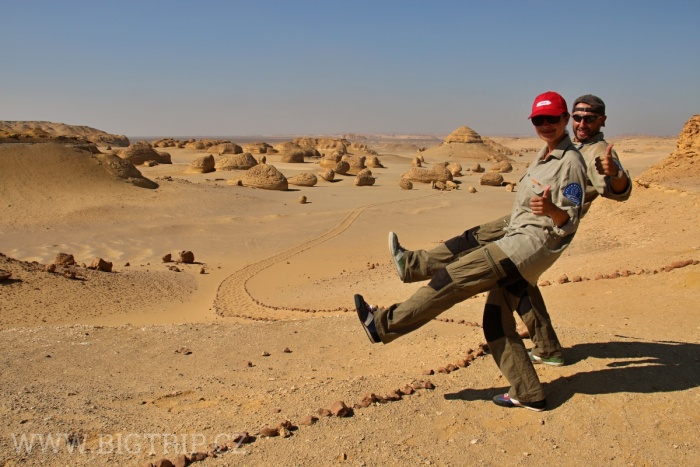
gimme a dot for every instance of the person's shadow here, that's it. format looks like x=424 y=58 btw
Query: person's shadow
x=637 y=367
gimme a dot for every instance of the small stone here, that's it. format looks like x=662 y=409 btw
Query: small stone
x=302 y=199
x=563 y=279
x=202 y=271
x=474 y=441
x=265 y=354
x=428 y=372
x=324 y=412
x=308 y=420
x=545 y=283
x=269 y=432
x=339 y=409
x=186 y=257
x=287 y=350
x=167 y=258
x=183 y=351
x=471 y=189
x=50 y=268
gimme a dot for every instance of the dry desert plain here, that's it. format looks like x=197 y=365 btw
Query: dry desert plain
x=146 y=363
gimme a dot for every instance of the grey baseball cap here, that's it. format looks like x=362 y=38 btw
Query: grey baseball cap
x=596 y=103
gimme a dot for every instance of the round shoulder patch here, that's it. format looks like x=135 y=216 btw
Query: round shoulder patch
x=574 y=193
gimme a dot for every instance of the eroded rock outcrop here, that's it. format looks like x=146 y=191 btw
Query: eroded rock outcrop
x=266 y=177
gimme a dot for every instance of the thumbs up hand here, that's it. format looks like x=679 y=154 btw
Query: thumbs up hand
x=542 y=205
x=605 y=165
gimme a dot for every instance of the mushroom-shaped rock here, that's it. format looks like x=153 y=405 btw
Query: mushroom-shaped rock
x=327 y=174
x=491 y=179
x=242 y=161
x=266 y=177
x=303 y=179
x=202 y=165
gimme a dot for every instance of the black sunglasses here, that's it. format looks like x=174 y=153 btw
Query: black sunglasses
x=551 y=119
x=585 y=118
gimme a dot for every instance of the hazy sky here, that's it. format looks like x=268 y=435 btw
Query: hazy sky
x=208 y=68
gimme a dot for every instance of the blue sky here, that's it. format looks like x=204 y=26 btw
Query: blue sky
x=208 y=68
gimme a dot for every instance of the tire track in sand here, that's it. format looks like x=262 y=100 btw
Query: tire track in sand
x=233 y=300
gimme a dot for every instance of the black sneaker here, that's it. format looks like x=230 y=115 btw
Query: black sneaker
x=504 y=400
x=397 y=256
x=366 y=314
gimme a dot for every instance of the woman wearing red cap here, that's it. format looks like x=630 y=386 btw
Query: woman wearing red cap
x=544 y=218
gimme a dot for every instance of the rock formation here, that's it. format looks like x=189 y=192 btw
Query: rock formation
x=681 y=169
x=438 y=173
x=236 y=162
x=266 y=177
x=141 y=152
x=57 y=132
x=303 y=179
x=202 y=165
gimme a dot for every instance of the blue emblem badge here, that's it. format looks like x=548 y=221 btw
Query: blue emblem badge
x=574 y=193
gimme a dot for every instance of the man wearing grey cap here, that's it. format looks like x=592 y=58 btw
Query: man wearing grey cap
x=605 y=177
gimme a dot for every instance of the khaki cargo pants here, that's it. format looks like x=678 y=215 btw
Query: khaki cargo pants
x=485 y=269
x=423 y=264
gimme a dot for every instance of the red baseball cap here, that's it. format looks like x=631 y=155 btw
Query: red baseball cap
x=548 y=103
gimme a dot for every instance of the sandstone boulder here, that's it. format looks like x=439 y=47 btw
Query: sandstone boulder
x=303 y=179
x=405 y=184
x=64 y=259
x=342 y=167
x=437 y=173
x=374 y=162
x=329 y=161
x=327 y=174
x=141 y=152
x=266 y=177
x=257 y=148
x=202 y=165
x=455 y=169
x=502 y=167
x=491 y=179
x=364 y=178
x=123 y=169
x=186 y=257
x=242 y=161
x=99 y=264
x=357 y=163
x=224 y=148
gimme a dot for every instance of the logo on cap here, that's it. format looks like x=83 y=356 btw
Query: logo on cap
x=541 y=103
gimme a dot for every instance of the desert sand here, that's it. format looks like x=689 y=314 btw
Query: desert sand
x=147 y=362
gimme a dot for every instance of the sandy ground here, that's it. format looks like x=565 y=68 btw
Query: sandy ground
x=145 y=362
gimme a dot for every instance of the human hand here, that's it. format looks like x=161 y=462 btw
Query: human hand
x=542 y=205
x=606 y=165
